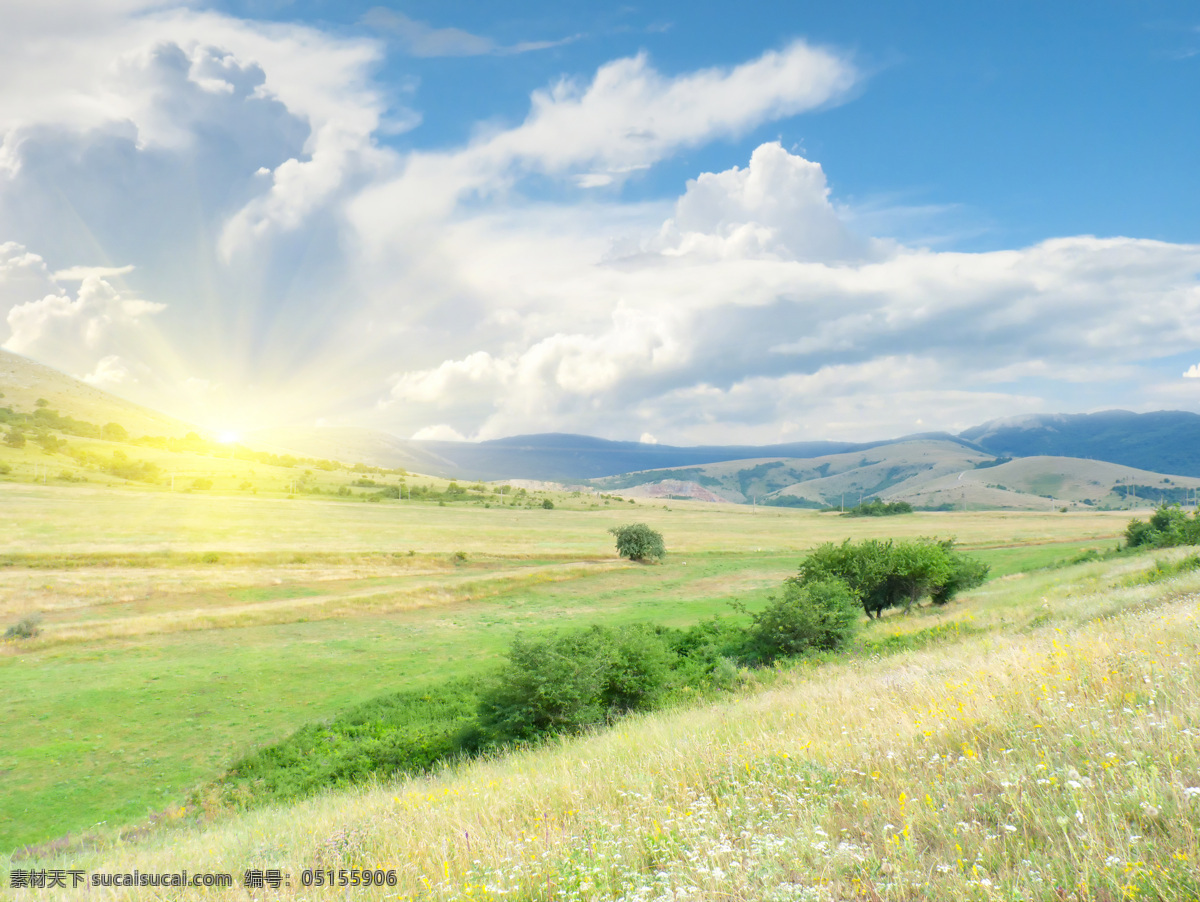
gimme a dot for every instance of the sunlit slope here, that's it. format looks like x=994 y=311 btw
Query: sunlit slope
x=1045 y=482
x=23 y=382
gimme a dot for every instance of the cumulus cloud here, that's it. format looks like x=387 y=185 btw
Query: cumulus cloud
x=754 y=304
x=163 y=73
x=68 y=332
x=1193 y=372
x=776 y=207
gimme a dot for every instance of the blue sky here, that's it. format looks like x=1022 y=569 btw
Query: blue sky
x=687 y=222
x=1028 y=119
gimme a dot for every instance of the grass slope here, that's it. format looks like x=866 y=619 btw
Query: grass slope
x=1041 y=745
x=23 y=382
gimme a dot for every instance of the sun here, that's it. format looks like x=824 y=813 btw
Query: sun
x=229 y=437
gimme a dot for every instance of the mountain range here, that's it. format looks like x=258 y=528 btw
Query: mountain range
x=1097 y=459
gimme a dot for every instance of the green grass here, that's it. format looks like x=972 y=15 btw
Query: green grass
x=148 y=681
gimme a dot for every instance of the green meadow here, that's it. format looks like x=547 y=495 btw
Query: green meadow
x=180 y=631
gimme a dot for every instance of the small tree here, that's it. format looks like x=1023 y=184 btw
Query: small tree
x=15 y=438
x=639 y=542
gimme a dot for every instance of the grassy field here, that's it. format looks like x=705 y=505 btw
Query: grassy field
x=181 y=630
x=1036 y=740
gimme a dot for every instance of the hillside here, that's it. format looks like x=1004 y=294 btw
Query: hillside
x=551 y=456
x=1165 y=441
x=23 y=382
x=810 y=482
x=1037 y=735
x=1032 y=483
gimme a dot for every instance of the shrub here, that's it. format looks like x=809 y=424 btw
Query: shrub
x=547 y=504
x=25 y=628
x=114 y=432
x=5 y=469
x=202 y=483
x=15 y=438
x=877 y=508
x=1168 y=527
x=816 y=616
x=570 y=681
x=639 y=542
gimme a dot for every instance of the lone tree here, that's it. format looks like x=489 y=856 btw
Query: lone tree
x=639 y=542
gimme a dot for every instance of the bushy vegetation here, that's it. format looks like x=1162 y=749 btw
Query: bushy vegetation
x=556 y=684
x=639 y=542
x=821 y=615
x=1168 y=527
x=401 y=732
x=886 y=574
x=877 y=508
x=25 y=628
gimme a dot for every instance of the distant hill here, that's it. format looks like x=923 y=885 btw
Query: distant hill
x=1104 y=459
x=23 y=382
x=1166 y=441
x=552 y=456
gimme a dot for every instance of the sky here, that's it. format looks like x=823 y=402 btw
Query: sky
x=694 y=223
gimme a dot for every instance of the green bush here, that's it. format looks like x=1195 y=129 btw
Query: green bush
x=877 y=508
x=1168 y=527
x=639 y=542
x=15 y=438
x=5 y=469
x=887 y=574
x=547 y=504
x=570 y=681
x=822 y=615
x=25 y=628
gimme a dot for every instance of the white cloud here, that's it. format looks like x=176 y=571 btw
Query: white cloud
x=805 y=331
x=76 y=334
x=424 y=40
x=113 y=373
x=752 y=307
x=79 y=273
x=439 y=433
x=629 y=117
x=778 y=207
x=163 y=73
x=1193 y=372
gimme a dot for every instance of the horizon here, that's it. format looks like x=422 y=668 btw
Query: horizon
x=667 y=227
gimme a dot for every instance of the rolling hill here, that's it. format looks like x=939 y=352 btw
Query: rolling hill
x=23 y=382
x=1165 y=441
